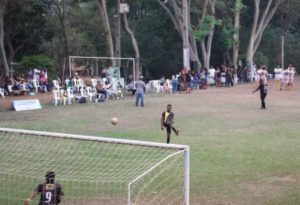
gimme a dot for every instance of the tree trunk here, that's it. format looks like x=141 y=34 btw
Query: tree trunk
x=3 y=54
x=135 y=47
x=258 y=28
x=236 y=36
x=105 y=21
x=11 y=52
x=178 y=24
x=206 y=48
x=225 y=52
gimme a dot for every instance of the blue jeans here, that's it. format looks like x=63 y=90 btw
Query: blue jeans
x=137 y=99
x=48 y=85
x=188 y=84
x=102 y=92
x=28 y=86
x=175 y=86
x=228 y=80
x=245 y=77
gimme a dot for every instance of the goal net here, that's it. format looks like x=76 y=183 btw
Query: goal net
x=92 y=170
x=93 y=67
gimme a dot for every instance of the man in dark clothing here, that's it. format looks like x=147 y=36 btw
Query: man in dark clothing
x=167 y=121
x=50 y=191
x=188 y=81
x=263 y=93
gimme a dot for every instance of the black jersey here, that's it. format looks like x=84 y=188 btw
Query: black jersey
x=50 y=193
x=263 y=89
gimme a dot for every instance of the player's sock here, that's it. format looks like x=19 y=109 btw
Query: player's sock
x=168 y=140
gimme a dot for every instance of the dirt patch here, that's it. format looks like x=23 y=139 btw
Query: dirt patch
x=287 y=179
x=43 y=97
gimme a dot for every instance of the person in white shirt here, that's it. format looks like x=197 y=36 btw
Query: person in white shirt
x=291 y=77
x=37 y=73
x=277 y=72
x=211 y=72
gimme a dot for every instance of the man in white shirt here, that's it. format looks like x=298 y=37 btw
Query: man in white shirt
x=211 y=72
x=37 y=73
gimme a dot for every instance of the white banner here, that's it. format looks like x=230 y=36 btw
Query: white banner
x=22 y=105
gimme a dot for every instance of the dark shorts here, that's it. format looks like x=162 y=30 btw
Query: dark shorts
x=188 y=85
x=168 y=127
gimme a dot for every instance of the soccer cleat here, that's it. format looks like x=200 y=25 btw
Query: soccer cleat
x=177 y=132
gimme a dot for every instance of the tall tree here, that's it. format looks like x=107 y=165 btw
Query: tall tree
x=101 y=4
x=259 y=25
x=134 y=44
x=3 y=4
x=177 y=19
x=236 y=36
x=206 y=46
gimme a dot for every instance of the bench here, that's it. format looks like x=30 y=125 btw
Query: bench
x=22 y=91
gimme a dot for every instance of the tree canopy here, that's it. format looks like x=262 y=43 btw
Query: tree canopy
x=220 y=32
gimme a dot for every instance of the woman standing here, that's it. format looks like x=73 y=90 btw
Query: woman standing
x=228 y=77
x=174 y=83
x=218 y=77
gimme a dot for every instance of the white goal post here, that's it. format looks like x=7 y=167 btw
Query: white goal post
x=71 y=58
x=100 y=165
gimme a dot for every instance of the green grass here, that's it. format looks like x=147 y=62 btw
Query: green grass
x=239 y=154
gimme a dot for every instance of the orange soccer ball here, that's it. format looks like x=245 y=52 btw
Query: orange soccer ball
x=114 y=121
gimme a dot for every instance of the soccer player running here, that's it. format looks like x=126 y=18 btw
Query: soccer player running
x=50 y=191
x=167 y=121
x=263 y=87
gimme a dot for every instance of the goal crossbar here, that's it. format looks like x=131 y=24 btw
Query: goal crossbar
x=93 y=138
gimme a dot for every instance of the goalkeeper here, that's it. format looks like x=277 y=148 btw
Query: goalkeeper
x=50 y=191
x=167 y=121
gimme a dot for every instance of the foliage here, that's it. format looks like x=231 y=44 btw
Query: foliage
x=38 y=60
x=202 y=30
x=44 y=26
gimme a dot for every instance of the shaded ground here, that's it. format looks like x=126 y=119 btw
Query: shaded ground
x=239 y=154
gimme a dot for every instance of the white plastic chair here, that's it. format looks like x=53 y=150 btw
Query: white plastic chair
x=23 y=88
x=94 y=82
x=56 y=97
x=62 y=93
x=56 y=85
x=83 y=93
x=75 y=84
x=91 y=93
x=70 y=95
x=103 y=81
x=36 y=84
x=157 y=86
x=2 y=92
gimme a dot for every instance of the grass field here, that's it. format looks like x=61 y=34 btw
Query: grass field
x=240 y=154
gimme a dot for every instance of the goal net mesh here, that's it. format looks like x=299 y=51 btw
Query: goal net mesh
x=90 y=172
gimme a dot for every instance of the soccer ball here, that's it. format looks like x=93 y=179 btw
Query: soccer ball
x=114 y=121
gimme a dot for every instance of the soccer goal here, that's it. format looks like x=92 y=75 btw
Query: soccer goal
x=92 y=170
x=93 y=66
